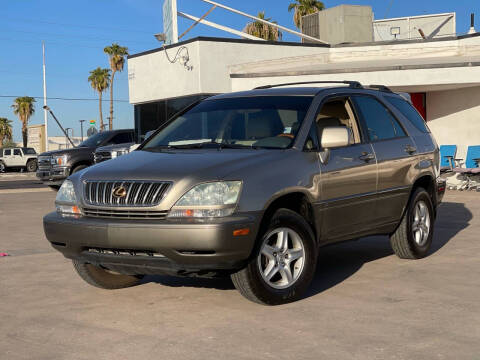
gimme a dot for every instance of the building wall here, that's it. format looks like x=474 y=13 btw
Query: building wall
x=454 y=117
x=434 y=26
x=151 y=77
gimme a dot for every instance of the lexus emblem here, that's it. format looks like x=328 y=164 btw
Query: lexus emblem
x=119 y=192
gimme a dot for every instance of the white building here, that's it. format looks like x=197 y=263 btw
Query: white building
x=442 y=74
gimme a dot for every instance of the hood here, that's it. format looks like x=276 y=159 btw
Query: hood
x=175 y=165
x=114 y=147
x=71 y=151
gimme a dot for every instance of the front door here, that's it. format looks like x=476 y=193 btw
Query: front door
x=17 y=159
x=348 y=175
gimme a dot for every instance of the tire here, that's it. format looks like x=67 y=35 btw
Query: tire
x=31 y=166
x=3 y=168
x=252 y=280
x=78 y=168
x=413 y=237
x=54 y=187
x=101 y=278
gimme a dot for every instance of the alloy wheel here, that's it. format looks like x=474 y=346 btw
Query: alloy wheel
x=421 y=223
x=282 y=258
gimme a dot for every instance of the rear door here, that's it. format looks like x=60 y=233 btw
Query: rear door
x=395 y=152
x=348 y=175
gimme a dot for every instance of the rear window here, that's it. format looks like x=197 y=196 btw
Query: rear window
x=409 y=112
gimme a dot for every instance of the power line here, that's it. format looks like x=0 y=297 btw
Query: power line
x=75 y=25
x=62 y=98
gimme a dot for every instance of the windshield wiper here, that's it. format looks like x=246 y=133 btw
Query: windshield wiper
x=209 y=144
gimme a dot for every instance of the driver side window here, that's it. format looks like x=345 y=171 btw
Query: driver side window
x=338 y=112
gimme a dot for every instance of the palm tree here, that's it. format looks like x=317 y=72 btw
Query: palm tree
x=24 y=108
x=304 y=7
x=5 y=130
x=116 y=54
x=99 y=79
x=262 y=30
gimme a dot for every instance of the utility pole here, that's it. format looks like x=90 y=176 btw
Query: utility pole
x=81 y=127
x=45 y=113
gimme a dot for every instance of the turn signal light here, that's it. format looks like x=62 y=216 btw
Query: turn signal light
x=241 y=232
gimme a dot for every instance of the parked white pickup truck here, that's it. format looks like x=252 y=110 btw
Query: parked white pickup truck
x=19 y=157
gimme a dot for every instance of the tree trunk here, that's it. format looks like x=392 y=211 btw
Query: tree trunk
x=25 y=132
x=100 y=107
x=110 y=119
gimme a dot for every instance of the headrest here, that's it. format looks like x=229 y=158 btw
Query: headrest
x=334 y=109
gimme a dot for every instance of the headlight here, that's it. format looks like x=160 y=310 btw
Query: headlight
x=66 y=200
x=60 y=160
x=214 y=199
x=120 y=152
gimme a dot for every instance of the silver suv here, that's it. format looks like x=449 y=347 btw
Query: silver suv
x=252 y=185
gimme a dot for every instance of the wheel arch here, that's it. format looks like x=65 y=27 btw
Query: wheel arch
x=80 y=163
x=297 y=201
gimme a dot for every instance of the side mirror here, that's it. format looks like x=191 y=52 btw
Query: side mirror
x=334 y=137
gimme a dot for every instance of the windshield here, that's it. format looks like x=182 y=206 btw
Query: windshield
x=249 y=122
x=95 y=140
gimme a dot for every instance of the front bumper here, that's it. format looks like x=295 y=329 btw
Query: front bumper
x=53 y=176
x=180 y=247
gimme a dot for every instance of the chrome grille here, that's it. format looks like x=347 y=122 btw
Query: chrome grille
x=138 y=193
x=102 y=156
x=44 y=162
x=124 y=214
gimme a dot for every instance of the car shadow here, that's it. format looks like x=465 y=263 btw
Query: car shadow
x=338 y=262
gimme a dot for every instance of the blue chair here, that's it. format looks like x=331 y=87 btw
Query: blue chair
x=447 y=156
x=472 y=166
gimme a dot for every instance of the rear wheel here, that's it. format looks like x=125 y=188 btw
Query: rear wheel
x=103 y=278
x=284 y=263
x=414 y=235
x=31 y=166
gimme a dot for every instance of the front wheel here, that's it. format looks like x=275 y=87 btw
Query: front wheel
x=103 y=278
x=2 y=167
x=31 y=166
x=414 y=235
x=284 y=263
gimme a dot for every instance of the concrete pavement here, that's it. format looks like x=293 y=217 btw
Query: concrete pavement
x=365 y=303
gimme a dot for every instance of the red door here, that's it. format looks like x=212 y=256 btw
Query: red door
x=419 y=101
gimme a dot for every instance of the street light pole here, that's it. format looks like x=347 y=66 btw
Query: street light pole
x=81 y=127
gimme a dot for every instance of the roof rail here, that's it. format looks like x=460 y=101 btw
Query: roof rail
x=352 y=84
x=380 y=87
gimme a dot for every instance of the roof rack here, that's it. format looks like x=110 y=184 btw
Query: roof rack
x=352 y=84
x=380 y=87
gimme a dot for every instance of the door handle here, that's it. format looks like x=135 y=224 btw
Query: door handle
x=410 y=149
x=366 y=156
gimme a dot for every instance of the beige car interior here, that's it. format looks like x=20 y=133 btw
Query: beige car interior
x=338 y=112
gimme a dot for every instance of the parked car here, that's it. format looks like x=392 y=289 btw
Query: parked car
x=18 y=158
x=109 y=152
x=252 y=185
x=55 y=166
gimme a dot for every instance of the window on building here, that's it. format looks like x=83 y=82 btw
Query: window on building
x=409 y=112
x=380 y=122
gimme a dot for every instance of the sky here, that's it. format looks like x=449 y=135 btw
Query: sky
x=75 y=33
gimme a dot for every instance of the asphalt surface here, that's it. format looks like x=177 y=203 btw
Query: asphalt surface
x=364 y=303
x=10 y=181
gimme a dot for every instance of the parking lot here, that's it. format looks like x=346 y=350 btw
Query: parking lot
x=365 y=303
